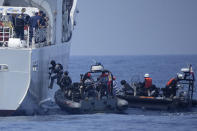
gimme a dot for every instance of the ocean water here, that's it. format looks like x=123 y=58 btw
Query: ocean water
x=130 y=68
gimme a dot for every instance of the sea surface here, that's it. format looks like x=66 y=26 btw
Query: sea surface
x=129 y=68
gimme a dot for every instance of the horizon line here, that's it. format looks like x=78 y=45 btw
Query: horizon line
x=136 y=55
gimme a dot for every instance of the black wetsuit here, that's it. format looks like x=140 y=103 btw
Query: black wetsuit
x=171 y=88
x=65 y=82
x=19 y=26
x=128 y=89
x=57 y=74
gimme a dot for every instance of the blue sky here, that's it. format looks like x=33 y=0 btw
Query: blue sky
x=135 y=27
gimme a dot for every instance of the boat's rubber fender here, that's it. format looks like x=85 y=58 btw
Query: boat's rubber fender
x=122 y=104
x=72 y=104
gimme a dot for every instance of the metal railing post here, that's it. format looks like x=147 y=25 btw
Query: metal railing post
x=33 y=38
x=3 y=34
x=28 y=37
x=9 y=33
x=12 y=32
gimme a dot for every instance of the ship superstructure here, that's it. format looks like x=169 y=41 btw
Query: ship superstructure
x=24 y=64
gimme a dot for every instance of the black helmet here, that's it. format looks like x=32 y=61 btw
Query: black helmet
x=66 y=73
x=123 y=82
x=53 y=63
x=43 y=15
x=60 y=66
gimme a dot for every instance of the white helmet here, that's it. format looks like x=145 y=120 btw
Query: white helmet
x=180 y=76
x=146 y=75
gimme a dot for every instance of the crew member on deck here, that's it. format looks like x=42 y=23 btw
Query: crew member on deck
x=19 y=25
x=35 y=24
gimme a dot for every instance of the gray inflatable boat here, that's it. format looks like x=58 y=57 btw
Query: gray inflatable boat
x=90 y=105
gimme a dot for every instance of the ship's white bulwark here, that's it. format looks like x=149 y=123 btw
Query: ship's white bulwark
x=15 y=81
x=25 y=83
x=27 y=74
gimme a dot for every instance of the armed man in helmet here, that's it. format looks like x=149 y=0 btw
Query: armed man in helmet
x=52 y=68
x=171 y=86
x=66 y=84
x=65 y=81
x=57 y=73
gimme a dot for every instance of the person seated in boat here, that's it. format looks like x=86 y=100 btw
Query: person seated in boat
x=88 y=85
x=138 y=89
x=91 y=91
x=104 y=83
x=154 y=91
x=75 y=92
x=147 y=84
x=101 y=89
x=110 y=83
x=115 y=86
x=128 y=90
x=149 y=88
x=65 y=82
x=82 y=89
x=57 y=74
x=171 y=87
x=87 y=79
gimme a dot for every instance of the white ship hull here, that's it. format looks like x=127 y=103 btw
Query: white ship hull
x=24 y=71
x=25 y=84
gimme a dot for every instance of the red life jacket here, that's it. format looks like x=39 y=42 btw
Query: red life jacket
x=148 y=82
x=170 y=82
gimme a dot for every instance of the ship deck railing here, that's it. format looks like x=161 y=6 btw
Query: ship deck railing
x=5 y=34
x=37 y=38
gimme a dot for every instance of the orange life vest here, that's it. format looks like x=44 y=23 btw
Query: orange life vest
x=170 y=82
x=148 y=82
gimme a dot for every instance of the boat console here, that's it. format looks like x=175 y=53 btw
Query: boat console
x=97 y=68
